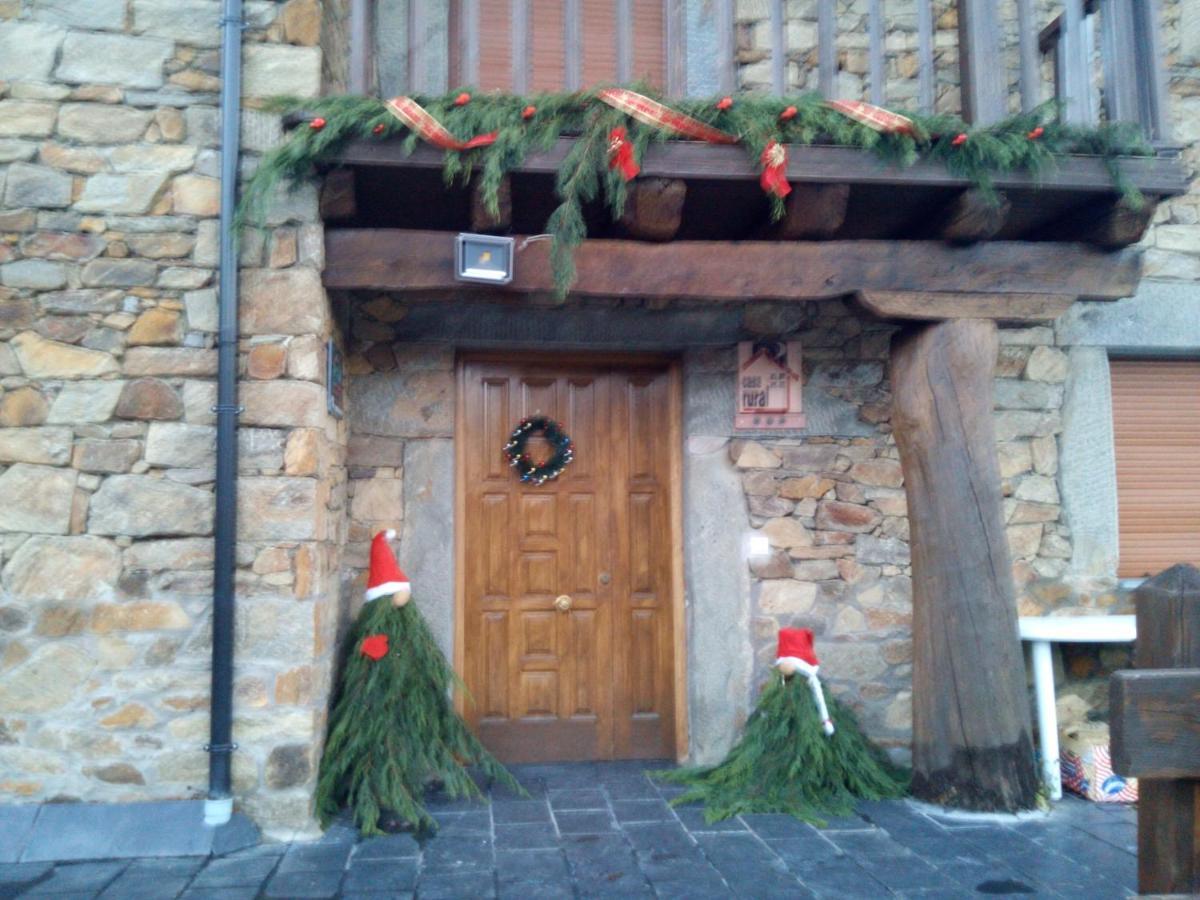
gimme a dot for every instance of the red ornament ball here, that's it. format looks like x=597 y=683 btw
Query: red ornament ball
x=724 y=103
x=1036 y=133
x=788 y=114
x=378 y=129
x=462 y=99
x=959 y=140
x=317 y=124
x=528 y=112
x=375 y=647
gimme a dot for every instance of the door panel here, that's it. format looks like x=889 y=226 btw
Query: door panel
x=595 y=681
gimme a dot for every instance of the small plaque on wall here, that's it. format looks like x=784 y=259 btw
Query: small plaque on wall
x=769 y=386
x=335 y=374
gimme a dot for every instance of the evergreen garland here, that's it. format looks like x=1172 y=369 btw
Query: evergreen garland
x=393 y=731
x=785 y=763
x=1029 y=141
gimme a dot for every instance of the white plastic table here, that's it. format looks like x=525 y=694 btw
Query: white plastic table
x=1041 y=632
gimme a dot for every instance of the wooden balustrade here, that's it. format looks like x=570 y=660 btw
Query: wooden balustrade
x=524 y=45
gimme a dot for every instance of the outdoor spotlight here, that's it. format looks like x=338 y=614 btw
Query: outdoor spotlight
x=484 y=258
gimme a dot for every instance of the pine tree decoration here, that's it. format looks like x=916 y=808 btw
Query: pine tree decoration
x=797 y=756
x=393 y=730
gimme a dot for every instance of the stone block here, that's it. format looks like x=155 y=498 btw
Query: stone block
x=266 y=361
x=63 y=246
x=141 y=506
x=46 y=445
x=182 y=361
x=37 y=499
x=152 y=158
x=753 y=455
x=262 y=448
x=125 y=273
x=24 y=406
x=179 y=445
x=40 y=358
x=283 y=404
x=95 y=15
x=80 y=302
x=157 y=325
x=877 y=472
x=1016 y=423
x=51 y=678
x=136 y=62
x=175 y=554
x=38 y=186
x=875 y=551
x=27 y=118
x=1037 y=489
x=371 y=450
x=786 y=597
x=194 y=22
x=278 y=508
x=378 y=499
x=303 y=453
x=38 y=274
x=1024 y=540
x=63 y=569
x=286 y=301
x=833 y=515
x=201 y=307
x=1046 y=364
x=12 y=151
x=810 y=486
x=306 y=358
x=196 y=195
x=289 y=765
x=301 y=20
x=787 y=533
x=106 y=457
x=272 y=69
x=404 y=404
x=28 y=50
x=109 y=618
x=129 y=194
x=148 y=398
x=101 y=123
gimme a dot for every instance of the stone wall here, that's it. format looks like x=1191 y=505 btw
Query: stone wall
x=108 y=314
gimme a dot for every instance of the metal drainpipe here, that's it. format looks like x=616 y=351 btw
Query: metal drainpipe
x=219 y=805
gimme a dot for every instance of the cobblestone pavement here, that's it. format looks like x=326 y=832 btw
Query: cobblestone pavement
x=607 y=830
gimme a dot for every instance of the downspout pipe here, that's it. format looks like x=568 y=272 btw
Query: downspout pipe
x=219 y=806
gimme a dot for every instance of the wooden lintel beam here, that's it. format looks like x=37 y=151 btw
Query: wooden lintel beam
x=653 y=208
x=935 y=305
x=1119 y=225
x=397 y=259
x=812 y=212
x=1156 y=723
x=973 y=216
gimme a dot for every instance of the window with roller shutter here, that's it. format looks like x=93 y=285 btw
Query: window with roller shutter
x=1156 y=427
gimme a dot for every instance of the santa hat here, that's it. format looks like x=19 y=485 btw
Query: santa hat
x=385 y=576
x=796 y=654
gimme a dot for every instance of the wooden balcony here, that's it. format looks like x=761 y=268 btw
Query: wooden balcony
x=1100 y=58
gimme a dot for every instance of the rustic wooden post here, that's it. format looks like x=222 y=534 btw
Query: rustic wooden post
x=1156 y=731
x=971 y=733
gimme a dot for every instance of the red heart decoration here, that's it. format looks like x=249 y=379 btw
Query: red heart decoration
x=375 y=647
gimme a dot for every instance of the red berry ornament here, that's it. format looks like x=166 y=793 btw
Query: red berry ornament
x=462 y=99
x=1036 y=133
x=959 y=140
x=788 y=114
x=378 y=129
x=724 y=103
x=528 y=112
x=317 y=124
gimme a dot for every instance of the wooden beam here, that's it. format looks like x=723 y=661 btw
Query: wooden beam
x=971 y=732
x=338 y=199
x=973 y=216
x=812 y=211
x=675 y=30
x=481 y=219
x=875 y=61
x=1027 y=42
x=933 y=306
x=827 y=48
x=1156 y=723
x=984 y=95
x=778 y=49
x=1157 y=176
x=654 y=208
x=926 y=71
x=1119 y=225
x=396 y=259
x=362 y=47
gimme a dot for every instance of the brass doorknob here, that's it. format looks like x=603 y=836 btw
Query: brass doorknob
x=562 y=602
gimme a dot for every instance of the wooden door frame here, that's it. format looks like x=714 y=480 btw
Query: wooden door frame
x=668 y=363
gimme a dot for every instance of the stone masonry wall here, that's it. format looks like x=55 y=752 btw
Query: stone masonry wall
x=108 y=311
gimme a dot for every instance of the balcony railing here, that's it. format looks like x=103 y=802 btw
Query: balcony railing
x=1102 y=59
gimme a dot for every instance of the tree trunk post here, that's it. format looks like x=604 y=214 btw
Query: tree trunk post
x=971 y=732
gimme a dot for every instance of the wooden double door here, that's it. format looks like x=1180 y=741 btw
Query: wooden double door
x=568 y=593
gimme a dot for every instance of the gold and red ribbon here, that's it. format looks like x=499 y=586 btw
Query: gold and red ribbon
x=774 y=170
x=652 y=113
x=874 y=117
x=416 y=117
x=620 y=154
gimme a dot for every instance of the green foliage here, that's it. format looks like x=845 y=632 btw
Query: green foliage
x=585 y=174
x=785 y=763
x=393 y=730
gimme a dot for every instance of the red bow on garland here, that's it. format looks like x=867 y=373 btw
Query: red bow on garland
x=375 y=647
x=774 y=174
x=620 y=154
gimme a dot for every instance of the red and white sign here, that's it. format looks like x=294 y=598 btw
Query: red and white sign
x=769 y=386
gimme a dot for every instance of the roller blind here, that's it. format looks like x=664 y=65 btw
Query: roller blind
x=1156 y=426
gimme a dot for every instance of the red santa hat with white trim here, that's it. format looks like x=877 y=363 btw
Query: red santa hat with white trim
x=385 y=576
x=796 y=654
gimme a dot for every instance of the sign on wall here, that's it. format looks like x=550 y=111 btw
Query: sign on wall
x=769 y=384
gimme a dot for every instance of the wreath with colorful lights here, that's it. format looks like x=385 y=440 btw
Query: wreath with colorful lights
x=563 y=450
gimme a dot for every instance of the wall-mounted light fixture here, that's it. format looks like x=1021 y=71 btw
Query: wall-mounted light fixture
x=483 y=258
x=758 y=546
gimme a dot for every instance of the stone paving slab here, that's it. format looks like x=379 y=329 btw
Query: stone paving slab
x=607 y=830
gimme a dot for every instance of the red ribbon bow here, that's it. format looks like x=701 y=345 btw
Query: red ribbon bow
x=375 y=647
x=620 y=154
x=774 y=173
